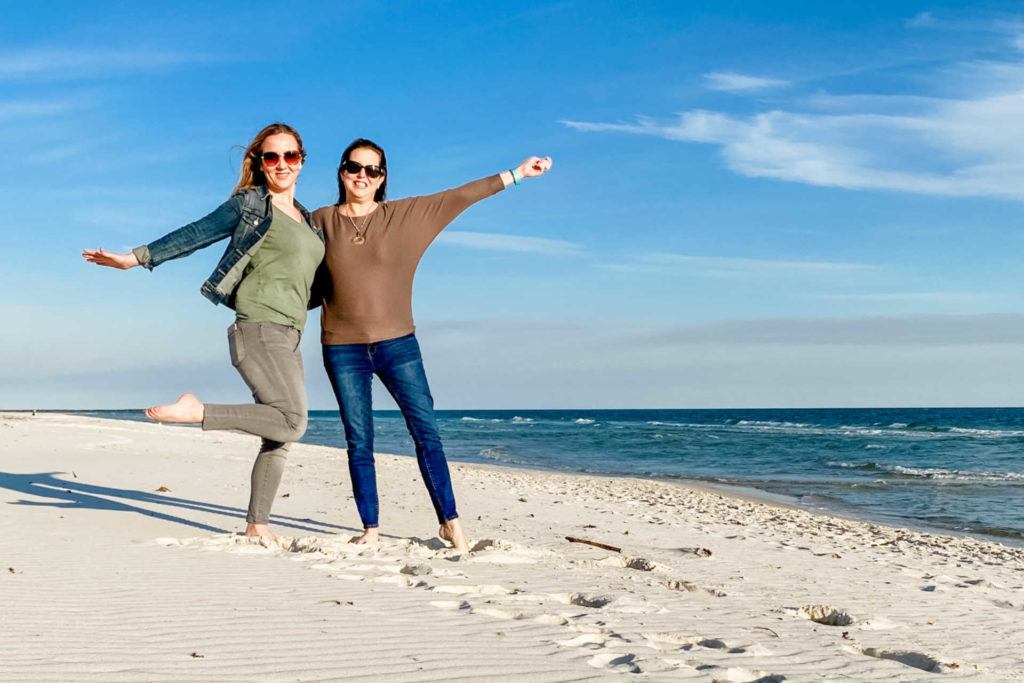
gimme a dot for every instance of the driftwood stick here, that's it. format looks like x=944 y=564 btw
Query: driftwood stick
x=603 y=546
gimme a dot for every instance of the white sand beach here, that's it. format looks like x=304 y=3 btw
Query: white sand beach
x=120 y=563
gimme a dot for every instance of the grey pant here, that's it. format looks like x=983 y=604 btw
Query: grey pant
x=267 y=357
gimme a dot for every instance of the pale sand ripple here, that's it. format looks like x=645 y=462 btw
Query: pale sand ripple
x=113 y=581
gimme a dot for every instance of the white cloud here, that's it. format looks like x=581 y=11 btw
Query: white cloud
x=927 y=330
x=918 y=360
x=32 y=109
x=967 y=146
x=491 y=241
x=751 y=265
x=729 y=81
x=922 y=20
x=888 y=297
x=65 y=63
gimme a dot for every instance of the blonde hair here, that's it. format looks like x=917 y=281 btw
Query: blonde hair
x=251 y=174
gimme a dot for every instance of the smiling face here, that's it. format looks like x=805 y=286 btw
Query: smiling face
x=359 y=187
x=281 y=176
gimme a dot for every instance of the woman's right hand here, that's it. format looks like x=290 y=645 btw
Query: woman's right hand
x=110 y=259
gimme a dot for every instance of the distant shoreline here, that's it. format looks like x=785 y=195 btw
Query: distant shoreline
x=746 y=491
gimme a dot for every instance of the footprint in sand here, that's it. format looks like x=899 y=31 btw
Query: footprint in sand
x=977 y=583
x=689 y=587
x=879 y=624
x=916 y=660
x=472 y=591
x=638 y=563
x=582 y=599
x=498 y=551
x=551 y=620
x=735 y=674
x=625 y=663
x=688 y=642
x=1006 y=604
x=594 y=639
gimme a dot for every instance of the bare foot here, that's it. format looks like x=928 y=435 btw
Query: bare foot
x=262 y=532
x=371 y=535
x=451 y=531
x=187 y=408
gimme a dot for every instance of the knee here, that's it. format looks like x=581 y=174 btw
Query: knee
x=424 y=434
x=360 y=453
x=359 y=438
x=297 y=424
x=274 y=450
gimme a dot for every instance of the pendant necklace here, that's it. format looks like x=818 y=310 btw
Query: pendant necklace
x=360 y=230
x=360 y=236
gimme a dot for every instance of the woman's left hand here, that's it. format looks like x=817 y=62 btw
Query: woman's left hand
x=534 y=166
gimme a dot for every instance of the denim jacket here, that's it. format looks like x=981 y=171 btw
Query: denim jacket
x=245 y=218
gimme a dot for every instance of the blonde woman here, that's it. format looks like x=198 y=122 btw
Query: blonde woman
x=266 y=275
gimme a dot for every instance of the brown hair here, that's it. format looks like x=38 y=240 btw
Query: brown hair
x=359 y=143
x=251 y=174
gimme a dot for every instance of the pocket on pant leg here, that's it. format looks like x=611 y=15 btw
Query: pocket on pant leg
x=236 y=345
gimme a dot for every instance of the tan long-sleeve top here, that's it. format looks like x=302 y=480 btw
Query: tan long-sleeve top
x=370 y=297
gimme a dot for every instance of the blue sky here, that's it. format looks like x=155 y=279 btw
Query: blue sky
x=752 y=204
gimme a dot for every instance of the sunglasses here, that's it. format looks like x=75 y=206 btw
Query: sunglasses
x=354 y=167
x=291 y=157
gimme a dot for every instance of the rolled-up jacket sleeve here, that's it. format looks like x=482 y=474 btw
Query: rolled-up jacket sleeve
x=213 y=227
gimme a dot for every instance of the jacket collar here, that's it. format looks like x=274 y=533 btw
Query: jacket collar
x=263 y=194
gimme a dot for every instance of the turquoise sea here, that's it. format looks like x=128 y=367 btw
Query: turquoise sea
x=946 y=469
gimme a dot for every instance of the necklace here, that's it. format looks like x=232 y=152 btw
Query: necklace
x=360 y=236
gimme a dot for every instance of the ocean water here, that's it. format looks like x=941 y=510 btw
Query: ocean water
x=944 y=469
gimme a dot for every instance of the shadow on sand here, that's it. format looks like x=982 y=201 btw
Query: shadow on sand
x=71 y=493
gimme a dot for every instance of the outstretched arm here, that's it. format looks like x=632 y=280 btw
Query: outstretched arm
x=429 y=215
x=531 y=168
x=213 y=227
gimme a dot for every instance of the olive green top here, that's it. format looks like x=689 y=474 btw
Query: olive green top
x=277 y=281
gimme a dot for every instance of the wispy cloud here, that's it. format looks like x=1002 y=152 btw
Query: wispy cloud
x=755 y=265
x=976 y=146
x=729 y=81
x=491 y=241
x=731 y=266
x=922 y=20
x=926 y=297
x=967 y=145
x=1004 y=25
x=12 y=110
x=932 y=330
x=53 y=63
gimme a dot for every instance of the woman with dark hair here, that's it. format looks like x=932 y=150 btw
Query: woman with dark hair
x=266 y=275
x=373 y=249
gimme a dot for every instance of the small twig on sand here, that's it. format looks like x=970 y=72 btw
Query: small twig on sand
x=765 y=628
x=573 y=539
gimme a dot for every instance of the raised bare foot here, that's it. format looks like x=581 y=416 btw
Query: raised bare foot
x=187 y=408
x=371 y=535
x=451 y=531
x=262 y=532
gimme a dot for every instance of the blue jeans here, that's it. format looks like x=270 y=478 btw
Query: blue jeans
x=399 y=365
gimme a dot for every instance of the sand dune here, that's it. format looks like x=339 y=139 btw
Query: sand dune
x=120 y=563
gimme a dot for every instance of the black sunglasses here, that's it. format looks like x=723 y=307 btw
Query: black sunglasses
x=291 y=157
x=354 y=167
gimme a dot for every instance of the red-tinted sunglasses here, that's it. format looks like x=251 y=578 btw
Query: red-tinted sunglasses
x=291 y=157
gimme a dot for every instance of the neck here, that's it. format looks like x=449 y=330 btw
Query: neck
x=359 y=207
x=285 y=198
